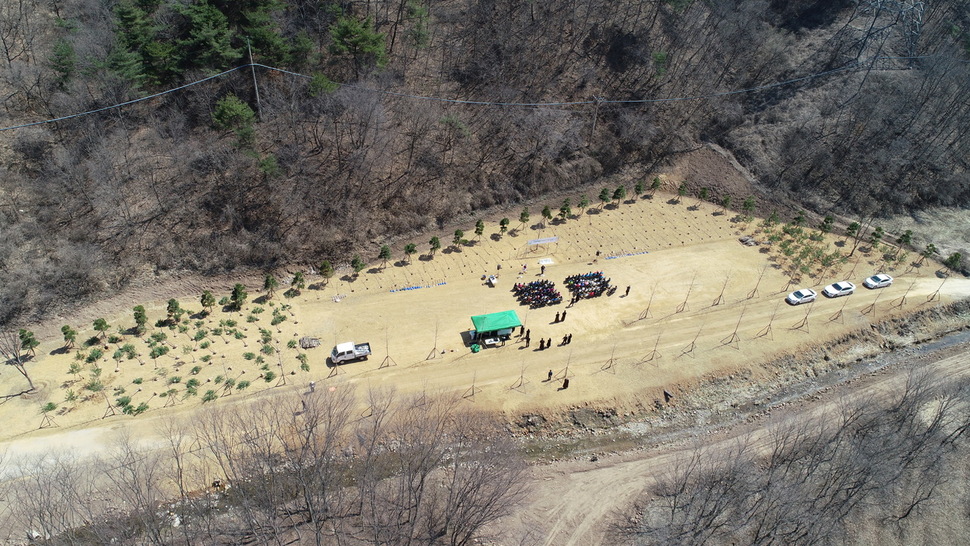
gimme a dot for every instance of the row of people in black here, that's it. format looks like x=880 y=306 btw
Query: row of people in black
x=537 y=293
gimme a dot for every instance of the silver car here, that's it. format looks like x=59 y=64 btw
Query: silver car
x=841 y=288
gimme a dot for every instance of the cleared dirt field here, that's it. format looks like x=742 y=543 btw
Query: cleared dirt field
x=680 y=259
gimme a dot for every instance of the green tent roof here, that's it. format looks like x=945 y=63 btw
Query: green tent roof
x=496 y=321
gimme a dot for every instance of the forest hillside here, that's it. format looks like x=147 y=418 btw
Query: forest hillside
x=364 y=120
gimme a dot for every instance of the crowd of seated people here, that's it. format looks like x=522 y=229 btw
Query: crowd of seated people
x=537 y=293
x=588 y=285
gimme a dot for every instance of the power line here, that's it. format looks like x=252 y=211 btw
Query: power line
x=849 y=66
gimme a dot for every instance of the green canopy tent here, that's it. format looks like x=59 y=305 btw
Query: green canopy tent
x=496 y=322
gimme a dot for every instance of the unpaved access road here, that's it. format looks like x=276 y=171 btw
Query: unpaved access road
x=573 y=502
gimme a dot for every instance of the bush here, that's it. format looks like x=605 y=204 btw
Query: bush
x=196 y=370
x=137 y=381
x=209 y=396
x=94 y=385
x=269 y=376
x=242 y=384
x=174 y=379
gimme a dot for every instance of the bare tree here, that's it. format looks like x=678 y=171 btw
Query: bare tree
x=10 y=351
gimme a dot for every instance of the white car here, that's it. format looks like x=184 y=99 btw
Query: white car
x=804 y=295
x=878 y=281
x=841 y=288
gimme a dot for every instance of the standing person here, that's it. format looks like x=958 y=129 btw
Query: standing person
x=549 y=343
x=542 y=344
x=557 y=317
x=542 y=270
x=565 y=340
x=527 y=337
x=313 y=386
x=565 y=383
x=521 y=330
x=549 y=378
x=569 y=339
x=563 y=316
x=627 y=292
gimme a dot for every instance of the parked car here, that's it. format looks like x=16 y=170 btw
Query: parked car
x=841 y=288
x=805 y=295
x=349 y=352
x=880 y=280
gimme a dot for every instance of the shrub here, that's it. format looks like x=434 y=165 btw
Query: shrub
x=94 y=385
x=269 y=376
x=137 y=381
x=209 y=396
x=94 y=355
x=242 y=384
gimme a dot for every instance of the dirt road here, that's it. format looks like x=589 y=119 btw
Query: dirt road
x=574 y=501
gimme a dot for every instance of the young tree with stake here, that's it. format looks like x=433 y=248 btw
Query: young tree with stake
x=409 y=250
x=928 y=252
x=70 y=336
x=953 y=262
x=619 y=194
x=384 y=255
x=435 y=243
x=565 y=210
x=479 y=228
x=207 y=301
x=357 y=264
x=141 y=319
x=238 y=297
x=605 y=196
x=270 y=284
x=326 y=271
x=503 y=226
x=102 y=326
x=27 y=341
x=456 y=240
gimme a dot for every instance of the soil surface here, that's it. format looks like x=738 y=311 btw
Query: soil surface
x=705 y=314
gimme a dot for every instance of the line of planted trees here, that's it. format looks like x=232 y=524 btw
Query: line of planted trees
x=308 y=468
